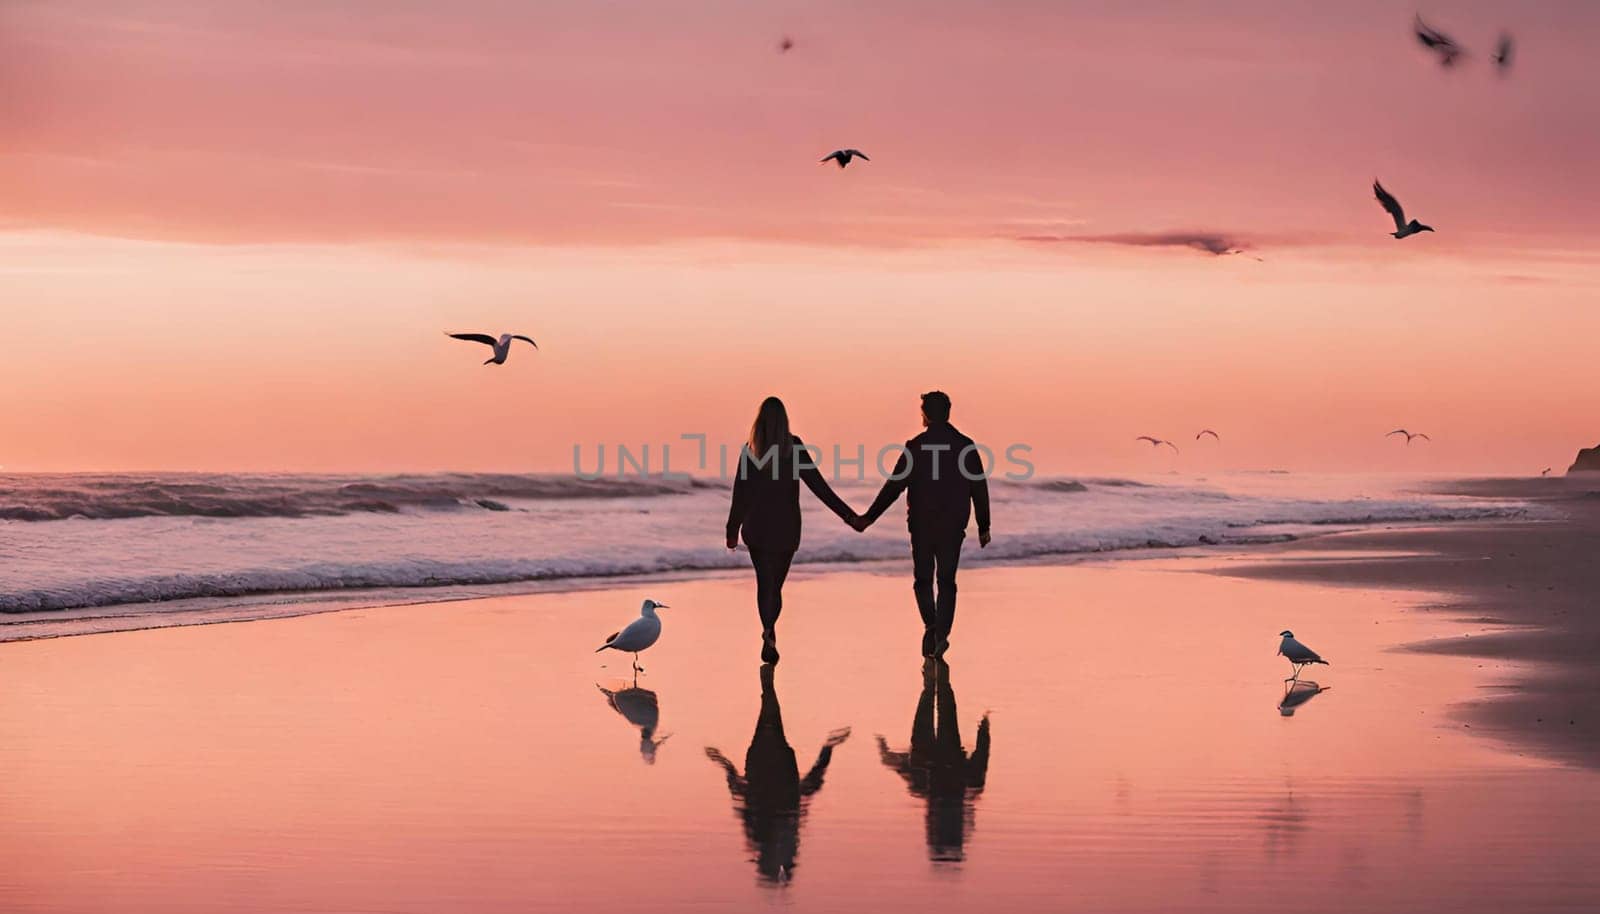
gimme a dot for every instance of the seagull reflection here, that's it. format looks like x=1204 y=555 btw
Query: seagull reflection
x=1298 y=693
x=937 y=768
x=640 y=708
x=771 y=798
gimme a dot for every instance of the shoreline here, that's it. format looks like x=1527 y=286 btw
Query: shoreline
x=34 y=625
x=1532 y=584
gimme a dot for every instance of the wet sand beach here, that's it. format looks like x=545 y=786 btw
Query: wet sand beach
x=1524 y=593
x=1107 y=736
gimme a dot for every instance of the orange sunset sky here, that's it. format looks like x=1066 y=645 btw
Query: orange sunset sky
x=232 y=233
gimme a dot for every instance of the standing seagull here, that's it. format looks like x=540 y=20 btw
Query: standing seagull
x=1409 y=435
x=843 y=156
x=1402 y=228
x=1502 y=54
x=1299 y=655
x=1438 y=42
x=501 y=347
x=640 y=633
x=1157 y=442
x=1207 y=431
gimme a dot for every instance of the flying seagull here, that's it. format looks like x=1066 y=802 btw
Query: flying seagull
x=1298 y=654
x=1545 y=471
x=1402 y=228
x=1438 y=42
x=1409 y=435
x=501 y=347
x=785 y=44
x=843 y=156
x=1207 y=431
x=1157 y=442
x=640 y=633
x=1502 y=53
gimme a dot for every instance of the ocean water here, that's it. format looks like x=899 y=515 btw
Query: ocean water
x=110 y=545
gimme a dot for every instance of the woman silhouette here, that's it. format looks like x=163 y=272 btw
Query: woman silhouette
x=766 y=507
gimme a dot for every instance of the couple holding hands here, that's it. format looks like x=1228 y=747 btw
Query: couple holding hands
x=941 y=472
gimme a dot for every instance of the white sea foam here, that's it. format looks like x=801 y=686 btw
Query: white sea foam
x=76 y=542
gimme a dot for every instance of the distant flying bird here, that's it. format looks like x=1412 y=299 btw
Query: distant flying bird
x=1298 y=654
x=1545 y=471
x=1402 y=228
x=1207 y=431
x=1157 y=442
x=1409 y=435
x=501 y=347
x=1438 y=42
x=843 y=156
x=785 y=44
x=640 y=633
x=1502 y=53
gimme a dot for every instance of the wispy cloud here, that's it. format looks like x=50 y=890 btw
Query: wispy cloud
x=1215 y=243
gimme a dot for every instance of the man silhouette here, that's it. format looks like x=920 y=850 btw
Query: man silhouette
x=937 y=767
x=942 y=473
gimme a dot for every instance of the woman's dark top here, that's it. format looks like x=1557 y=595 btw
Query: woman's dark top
x=767 y=508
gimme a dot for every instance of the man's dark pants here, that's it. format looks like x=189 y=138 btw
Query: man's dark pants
x=933 y=561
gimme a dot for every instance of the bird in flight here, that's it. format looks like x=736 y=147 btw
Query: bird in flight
x=1438 y=42
x=1402 y=228
x=1409 y=435
x=1502 y=53
x=1298 y=654
x=1545 y=471
x=1157 y=442
x=785 y=45
x=501 y=347
x=843 y=156
x=640 y=633
x=1207 y=431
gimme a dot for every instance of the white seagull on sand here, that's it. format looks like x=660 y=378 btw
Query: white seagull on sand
x=1157 y=442
x=1299 y=655
x=640 y=633
x=1409 y=435
x=501 y=347
x=1402 y=228
x=843 y=156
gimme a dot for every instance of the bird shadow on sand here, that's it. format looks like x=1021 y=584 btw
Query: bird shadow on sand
x=1296 y=693
x=640 y=708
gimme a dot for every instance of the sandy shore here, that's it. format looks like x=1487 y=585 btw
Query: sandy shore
x=1531 y=591
x=1108 y=736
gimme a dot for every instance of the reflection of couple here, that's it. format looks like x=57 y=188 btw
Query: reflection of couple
x=940 y=470
x=771 y=798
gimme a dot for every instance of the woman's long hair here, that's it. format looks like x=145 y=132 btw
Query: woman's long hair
x=770 y=428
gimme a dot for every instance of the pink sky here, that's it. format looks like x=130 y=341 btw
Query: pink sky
x=231 y=233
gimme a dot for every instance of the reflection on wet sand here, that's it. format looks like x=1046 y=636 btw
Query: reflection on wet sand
x=937 y=768
x=640 y=708
x=1298 y=693
x=771 y=798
